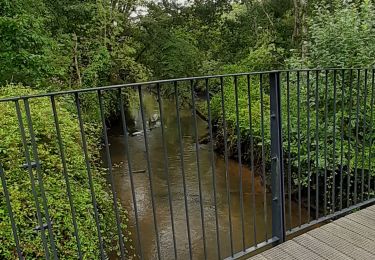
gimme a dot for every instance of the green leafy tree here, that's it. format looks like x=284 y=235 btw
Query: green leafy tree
x=341 y=36
x=29 y=54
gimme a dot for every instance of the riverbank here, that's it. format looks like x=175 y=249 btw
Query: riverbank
x=323 y=122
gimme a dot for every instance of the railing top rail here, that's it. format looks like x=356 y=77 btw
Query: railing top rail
x=147 y=83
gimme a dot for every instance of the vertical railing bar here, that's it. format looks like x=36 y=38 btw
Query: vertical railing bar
x=166 y=167
x=199 y=171
x=289 y=154
x=31 y=175
x=88 y=169
x=213 y=167
x=239 y=162
x=65 y=173
x=10 y=211
x=40 y=177
x=227 y=178
x=252 y=159
x=299 y=148
x=364 y=139
x=371 y=129
x=317 y=144
x=263 y=157
x=325 y=141
x=342 y=135
x=308 y=148
x=349 y=138
x=149 y=171
x=183 y=167
x=110 y=173
x=127 y=151
x=334 y=141
x=277 y=170
x=356 y=139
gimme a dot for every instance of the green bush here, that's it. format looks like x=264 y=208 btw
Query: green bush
x=345 y=115
x=342 y=37
x=247 y=135
x=338 y=37
x=266 y=56
x=19 y=184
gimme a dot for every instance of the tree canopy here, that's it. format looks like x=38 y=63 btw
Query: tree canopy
x=68 y=44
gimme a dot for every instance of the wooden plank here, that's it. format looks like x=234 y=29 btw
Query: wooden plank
x=277 y=253
x=298 y=251
x=367 y=213
x=349 y=249
x=258 y=257
x=368 y=222
x=356 y=227
x=350 y=236
x=320 y=248
x=372 y=208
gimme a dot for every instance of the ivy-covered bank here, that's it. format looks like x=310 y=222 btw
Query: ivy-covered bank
x=19 y=184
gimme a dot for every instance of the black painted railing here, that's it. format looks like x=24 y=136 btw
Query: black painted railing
x=305 y=135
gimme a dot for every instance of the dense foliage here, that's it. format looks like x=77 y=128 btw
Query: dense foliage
x=20 y=187
x=58 y=45
x=67 y=44
x=343 y=37
x=341 y=102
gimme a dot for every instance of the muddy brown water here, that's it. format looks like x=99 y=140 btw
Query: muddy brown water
x=143 y=195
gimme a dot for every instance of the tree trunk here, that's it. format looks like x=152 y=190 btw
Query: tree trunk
x=300 y=25
x=297 y=22
x=304 y=27
x=75 y=56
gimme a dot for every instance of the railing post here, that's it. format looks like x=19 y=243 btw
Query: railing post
x=277 y=174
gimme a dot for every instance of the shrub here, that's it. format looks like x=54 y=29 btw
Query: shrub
x=19 y=184
x=344 y=138
x=342 y=36
x=248 y=136
x=339 y=36
x=340 y=141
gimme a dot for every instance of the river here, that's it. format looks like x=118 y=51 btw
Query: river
x=143 y=197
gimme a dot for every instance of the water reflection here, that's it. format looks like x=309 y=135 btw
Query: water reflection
x=143 y=197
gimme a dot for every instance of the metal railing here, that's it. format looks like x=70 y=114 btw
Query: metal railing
x=299 y=141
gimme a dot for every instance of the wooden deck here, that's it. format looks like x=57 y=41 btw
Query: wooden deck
x=350 y=237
